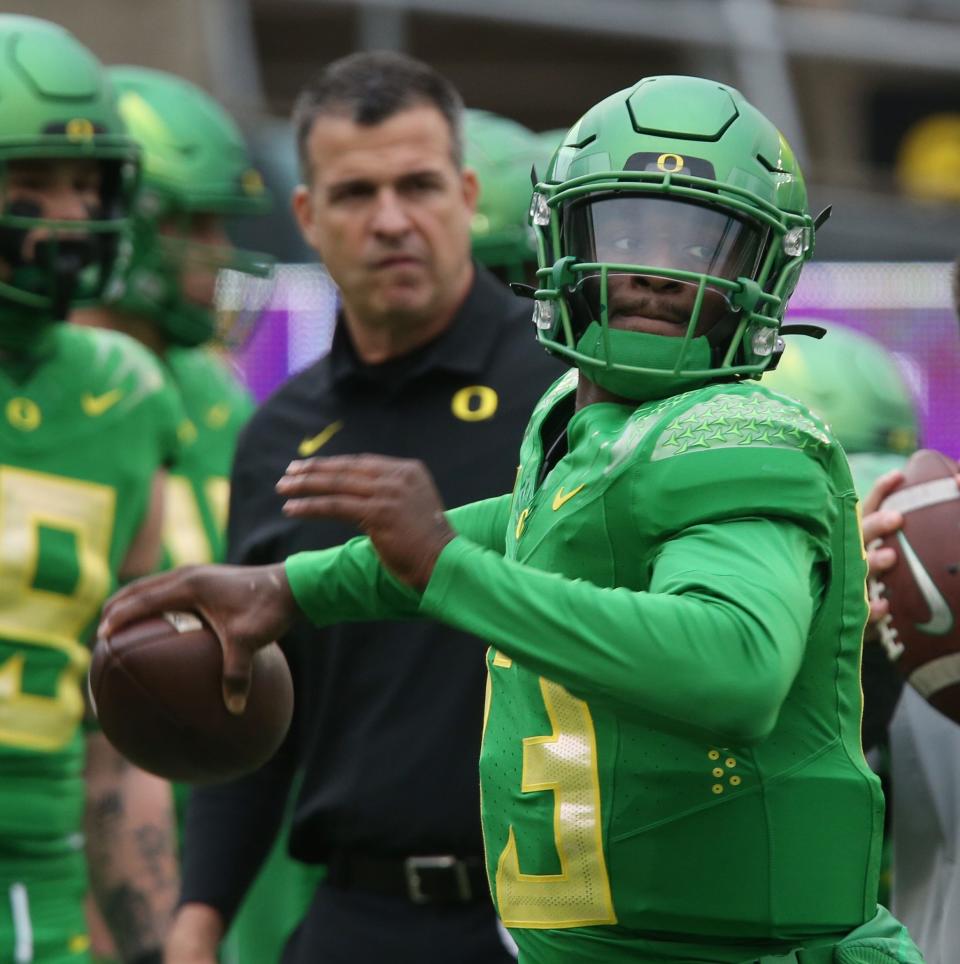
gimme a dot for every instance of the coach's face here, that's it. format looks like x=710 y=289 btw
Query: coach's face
x=388 y=211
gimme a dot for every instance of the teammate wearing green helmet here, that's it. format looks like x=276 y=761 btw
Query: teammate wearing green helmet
x=854 y=384
x=503 y=153
x=197 y=172
x=87 y=423
x=674 y=592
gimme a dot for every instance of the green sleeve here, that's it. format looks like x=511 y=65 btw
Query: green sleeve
x=483 y=523
x=348 y=583
x=714 y=645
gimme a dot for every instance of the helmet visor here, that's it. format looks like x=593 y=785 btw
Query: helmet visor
x=683 y=239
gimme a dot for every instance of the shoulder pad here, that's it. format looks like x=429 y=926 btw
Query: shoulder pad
x=733 y=451
x=738 y=416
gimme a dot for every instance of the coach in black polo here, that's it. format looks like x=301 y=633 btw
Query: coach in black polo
x=431 y=359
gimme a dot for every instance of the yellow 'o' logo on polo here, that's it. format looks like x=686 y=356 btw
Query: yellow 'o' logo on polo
x=24 y=414
x=80 y=129
x=475 y=403
x=671 y=163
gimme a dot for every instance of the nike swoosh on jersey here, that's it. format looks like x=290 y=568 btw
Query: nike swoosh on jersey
x=94 y=405
x=941 y=618
x=310 y=445
x=560 y=499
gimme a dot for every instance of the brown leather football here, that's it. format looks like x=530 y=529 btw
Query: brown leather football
x=922 y=632
x=155 y=687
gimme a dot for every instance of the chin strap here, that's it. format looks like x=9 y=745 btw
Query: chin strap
x=810 y=331
x=522 y=290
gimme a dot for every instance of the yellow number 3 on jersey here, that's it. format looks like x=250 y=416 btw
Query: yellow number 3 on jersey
x=563 y=762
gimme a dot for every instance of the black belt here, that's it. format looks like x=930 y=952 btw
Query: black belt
x=429 y=879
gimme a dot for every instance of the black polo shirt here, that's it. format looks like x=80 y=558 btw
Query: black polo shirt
x=388 y=714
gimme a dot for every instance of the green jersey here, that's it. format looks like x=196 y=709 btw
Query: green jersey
x=81 y=438
x=671 y=749
x=198 y=486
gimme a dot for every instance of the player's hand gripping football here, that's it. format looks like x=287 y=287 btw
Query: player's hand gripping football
x=876 y=524
x=394 y=501
x=248 y=607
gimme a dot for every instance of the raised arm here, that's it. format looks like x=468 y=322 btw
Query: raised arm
x=714 y=645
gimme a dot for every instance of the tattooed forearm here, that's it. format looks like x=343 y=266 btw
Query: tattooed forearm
x=129 y=916
x=130 y=849
x=155 y=844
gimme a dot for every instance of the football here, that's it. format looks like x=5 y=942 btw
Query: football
x=155 y=688
x=921 y=633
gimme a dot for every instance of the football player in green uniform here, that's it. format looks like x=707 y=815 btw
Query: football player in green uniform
x=197 y=172
x=87 y=423
x=674 y=592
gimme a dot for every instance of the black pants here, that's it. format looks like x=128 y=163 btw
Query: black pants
x=354 y=927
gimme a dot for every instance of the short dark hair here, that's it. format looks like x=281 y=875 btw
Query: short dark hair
x=369 y=88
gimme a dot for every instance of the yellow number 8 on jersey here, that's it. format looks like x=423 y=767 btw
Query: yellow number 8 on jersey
x=41 y=620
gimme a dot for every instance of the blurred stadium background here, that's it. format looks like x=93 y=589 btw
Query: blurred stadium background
x=866 y=91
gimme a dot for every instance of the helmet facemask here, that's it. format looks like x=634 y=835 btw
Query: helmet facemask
x=48 y=266
x=166 y=255
x=730 y=259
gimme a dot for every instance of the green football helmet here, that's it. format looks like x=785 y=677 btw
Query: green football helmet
x=855 y=385
x=56 y=104
x=195 y=162
x=676 y=180
x=503 y=153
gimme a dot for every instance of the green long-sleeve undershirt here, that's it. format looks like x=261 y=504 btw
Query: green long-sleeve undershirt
x=714 y=645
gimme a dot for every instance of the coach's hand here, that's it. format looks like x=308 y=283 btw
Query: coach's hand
x=248 y=607
x=394 y=501
x=878 y=523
